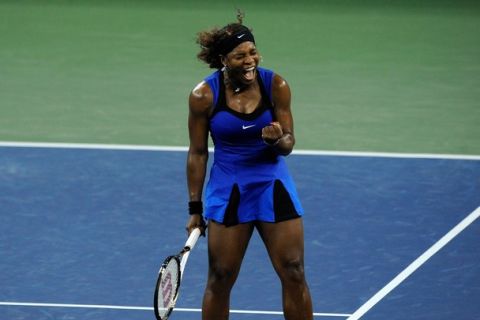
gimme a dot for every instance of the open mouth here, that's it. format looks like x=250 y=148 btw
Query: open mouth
x=249 y=74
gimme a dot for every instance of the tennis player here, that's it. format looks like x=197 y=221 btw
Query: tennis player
x=246 y=110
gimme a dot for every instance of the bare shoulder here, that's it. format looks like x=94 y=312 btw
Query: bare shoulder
x=201 y=98
x=280 y=90
x=279 y=82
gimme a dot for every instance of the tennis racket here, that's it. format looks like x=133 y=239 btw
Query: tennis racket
x=169 y=278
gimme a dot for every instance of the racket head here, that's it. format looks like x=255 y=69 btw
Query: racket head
x=166 y=289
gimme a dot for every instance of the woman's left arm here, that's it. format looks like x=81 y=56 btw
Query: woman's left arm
x=280 y=133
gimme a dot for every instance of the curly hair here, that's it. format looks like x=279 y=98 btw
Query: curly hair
x=209 y=41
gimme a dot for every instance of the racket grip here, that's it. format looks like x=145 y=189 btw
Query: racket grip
x=192 y=239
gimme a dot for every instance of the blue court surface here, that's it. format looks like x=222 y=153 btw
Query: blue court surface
x=83 y=232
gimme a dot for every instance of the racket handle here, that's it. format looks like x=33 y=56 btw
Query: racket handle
x=192 y=239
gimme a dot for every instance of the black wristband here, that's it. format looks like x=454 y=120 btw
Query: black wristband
x=195 y=207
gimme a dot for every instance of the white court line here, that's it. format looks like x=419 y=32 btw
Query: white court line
x=415 y=265
x=126 y=147
x=95 y=306
x=299 y=152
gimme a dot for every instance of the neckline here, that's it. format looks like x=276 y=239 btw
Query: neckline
x=263 y=104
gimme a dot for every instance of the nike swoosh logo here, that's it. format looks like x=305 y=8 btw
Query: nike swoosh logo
x=240 y=36
x=246 y=127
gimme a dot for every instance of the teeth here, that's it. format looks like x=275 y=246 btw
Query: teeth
x=249 y=74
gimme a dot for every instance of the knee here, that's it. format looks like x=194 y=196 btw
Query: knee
x=221 y=276
x=292 y=271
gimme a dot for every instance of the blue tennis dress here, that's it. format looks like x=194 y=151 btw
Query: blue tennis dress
x=248 y=180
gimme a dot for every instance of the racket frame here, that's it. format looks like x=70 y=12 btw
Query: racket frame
x=181 y=260
x=161 y=273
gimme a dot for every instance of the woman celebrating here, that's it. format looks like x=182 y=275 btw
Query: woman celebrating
x=246 y=110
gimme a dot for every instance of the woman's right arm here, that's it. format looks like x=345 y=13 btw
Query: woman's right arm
x=200 y=102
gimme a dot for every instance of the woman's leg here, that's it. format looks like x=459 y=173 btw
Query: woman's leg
x=285 y=245
x=226 y=249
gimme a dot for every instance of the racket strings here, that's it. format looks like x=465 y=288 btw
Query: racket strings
x=168 y=287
